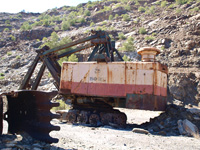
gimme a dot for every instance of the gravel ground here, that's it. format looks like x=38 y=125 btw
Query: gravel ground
x=106 y=138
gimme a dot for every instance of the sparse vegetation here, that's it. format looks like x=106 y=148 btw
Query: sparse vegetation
x=18 y=57
x=87 y=13
x=121 y=36
x=62 y=106
x=126 y=17
x=111 y=17
x=163 y=3
x=91 y=24
x=116 y=16
x=65 y=25
x=181 y=2
x=141 y=9
x=9 y=53
x=26 y=26
x=6 y=30
x=73 y=58
x=150 y=10
x=142 y=30
x=128 y=45
x=149 y=38
x=126 y=58
x=12 y=38
x=56 y=28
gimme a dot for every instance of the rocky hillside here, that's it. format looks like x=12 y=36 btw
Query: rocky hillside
x=172 y=26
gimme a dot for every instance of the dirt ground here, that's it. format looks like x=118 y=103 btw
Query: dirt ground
x=109 y=138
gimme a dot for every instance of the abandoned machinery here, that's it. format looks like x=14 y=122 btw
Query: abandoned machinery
x=93 y=88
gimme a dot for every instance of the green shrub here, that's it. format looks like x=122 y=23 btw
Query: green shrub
x=46 y=22
x=87 y=13
x=127 y=7
x=126 y=17
x=116 y=15
x=62 y=106
x=137 y=3
x=149 y=38
x=56 y=28
x=6 y=30
x=25 y=26
x=111 y=17
x=52 y=23
x=126 y=58
x=65 y=25
x=7 y=22
x=9 y=53
x=54 y=41
x=81 y=20
x=121 y=36
x=195 y=9
x=178 y=10
x=104 y=22
x=2 y=77
x=91 y=24
x=181 y=2
x=89 y=6
x=142 y=30
x=150 y=10
x=2 y=74
x=162 y=48
x=73 y=58
x=154 y=34
x=141 y=9
x=128 y=45
x=163 y=3
x=12 y=38
x=158 y=2
x=111 y=37
x=18 y=57
x=171 y=6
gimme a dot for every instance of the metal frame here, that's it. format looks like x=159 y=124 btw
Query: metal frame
x=100 y=40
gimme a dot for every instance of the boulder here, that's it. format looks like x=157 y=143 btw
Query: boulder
x=180 y=127
x=141 y=131
x=190 y=128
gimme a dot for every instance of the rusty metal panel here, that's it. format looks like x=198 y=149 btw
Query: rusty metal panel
x=30 y=111
x=1 y=115
x=114 y=79
x=116 y=73
x=146 y=102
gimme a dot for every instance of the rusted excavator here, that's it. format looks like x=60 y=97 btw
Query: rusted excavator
x=94 y=88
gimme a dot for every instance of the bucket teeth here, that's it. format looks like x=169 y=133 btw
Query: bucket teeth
x=29 y=111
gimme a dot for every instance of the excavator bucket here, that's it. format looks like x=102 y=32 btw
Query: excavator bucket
x=29 y=111
x=1 y=115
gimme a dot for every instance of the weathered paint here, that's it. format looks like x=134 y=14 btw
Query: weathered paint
x=114 y=79
x=142 y=85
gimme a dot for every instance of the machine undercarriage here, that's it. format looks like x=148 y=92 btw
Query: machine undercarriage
x=95 y=111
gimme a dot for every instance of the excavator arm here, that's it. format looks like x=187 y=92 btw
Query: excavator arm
x=29 y=110
x=100 y=40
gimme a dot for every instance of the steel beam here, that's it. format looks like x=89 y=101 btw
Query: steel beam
x=29 y=73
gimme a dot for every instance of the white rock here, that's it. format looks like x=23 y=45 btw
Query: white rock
x=180 y=127
x=153 y=22
x=197 y=17
x=190 y=128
